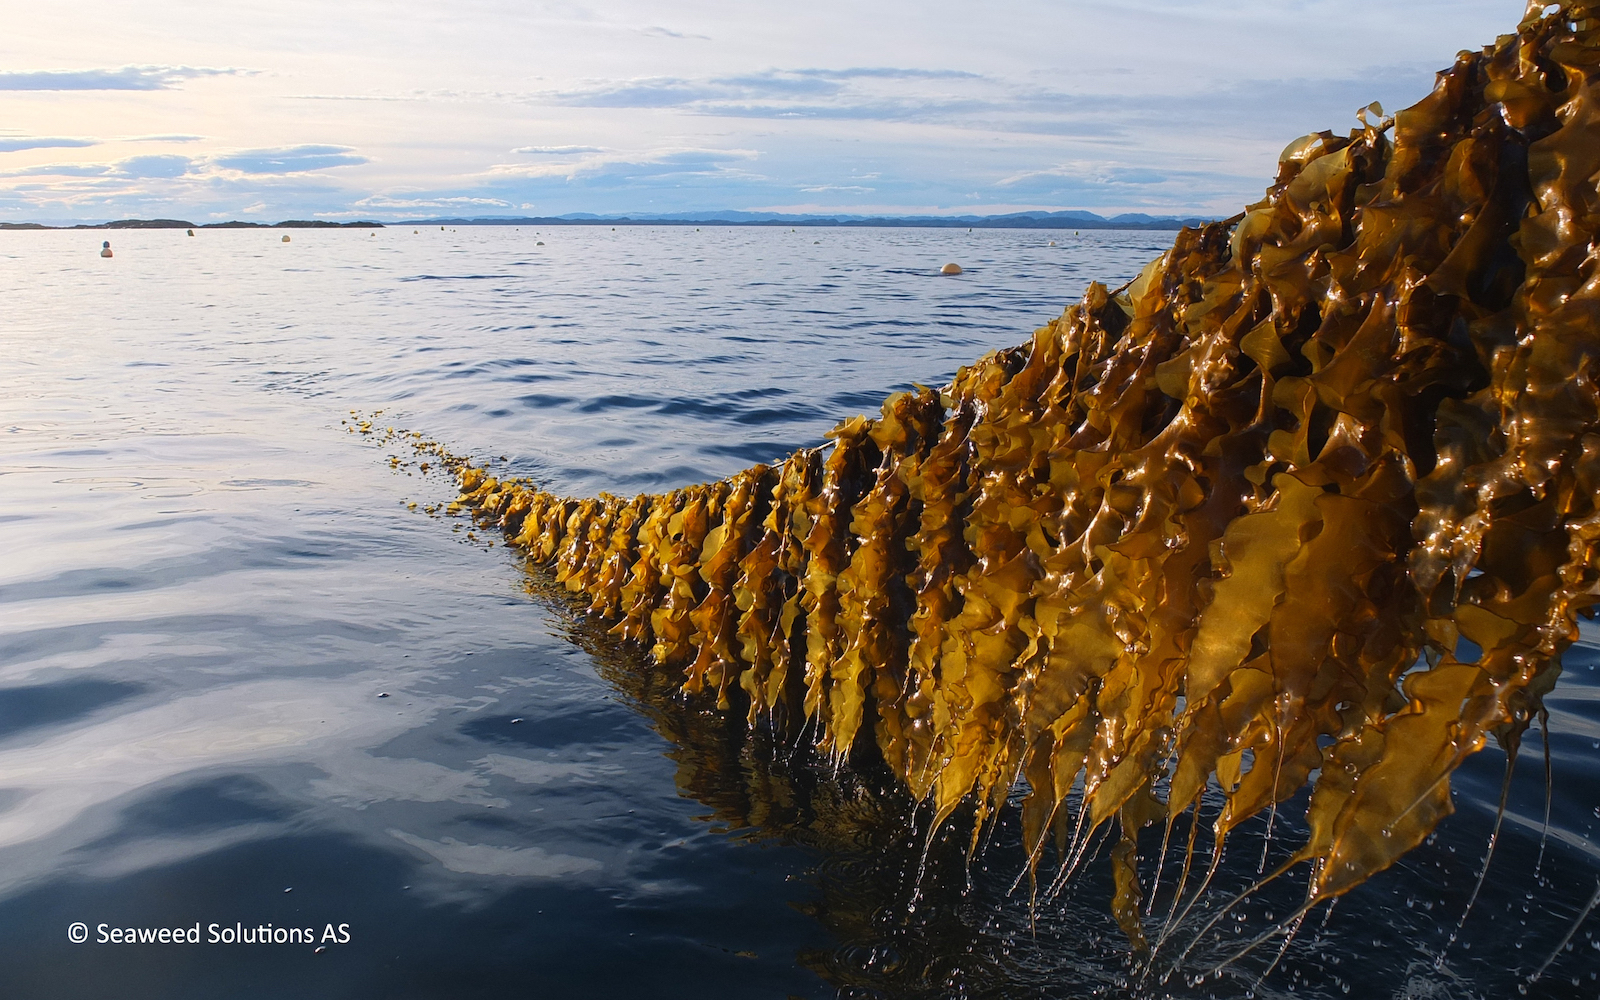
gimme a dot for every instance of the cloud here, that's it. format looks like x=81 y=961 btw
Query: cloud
x=175 y=137
x=141 y=167
x=889 y=73
x=11 y=144
x=558 y=150
x=764 y=93
x=656 y=31
x=126 y=78
x=382 y=202
x=617 y=168
x=60 y=170
x=289 y=159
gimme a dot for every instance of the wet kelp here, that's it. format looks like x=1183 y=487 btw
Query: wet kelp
x=1311 y=502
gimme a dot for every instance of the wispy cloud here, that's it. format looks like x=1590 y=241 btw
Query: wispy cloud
x=124 y=78
x=889 y=73
x=289 y=159
x=175 y=137
x=558 y=150
x=634 y=167
x=771 y=91
x=139 y=167
x=386 y=203
x=656 y=31
x=11 y=144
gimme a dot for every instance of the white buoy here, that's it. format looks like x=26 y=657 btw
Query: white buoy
x=950 y=269
x=105 y=249
x=285 y=237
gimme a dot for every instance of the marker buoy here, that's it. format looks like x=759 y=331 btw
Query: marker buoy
x=950 y=269
x=1052 y=242
x=105 y=249
x=286 y=238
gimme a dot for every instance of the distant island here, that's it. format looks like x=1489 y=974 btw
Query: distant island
x=1014 y=220
x=180 y=224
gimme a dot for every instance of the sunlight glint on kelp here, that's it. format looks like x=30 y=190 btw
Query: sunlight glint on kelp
x=1198 y=532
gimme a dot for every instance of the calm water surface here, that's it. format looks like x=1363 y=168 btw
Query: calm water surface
x=241 y=682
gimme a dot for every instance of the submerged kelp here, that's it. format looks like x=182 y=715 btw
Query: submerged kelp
x=1198 y=531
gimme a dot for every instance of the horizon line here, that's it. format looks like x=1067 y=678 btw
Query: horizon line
x=1032 y=219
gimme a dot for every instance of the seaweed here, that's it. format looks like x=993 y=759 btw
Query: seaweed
x=1310 y=503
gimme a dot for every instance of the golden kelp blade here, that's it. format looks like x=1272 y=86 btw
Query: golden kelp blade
x=1201 y=529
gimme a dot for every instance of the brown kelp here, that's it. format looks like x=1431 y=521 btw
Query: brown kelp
x=1310 y=502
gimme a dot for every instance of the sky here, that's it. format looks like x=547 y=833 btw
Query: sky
x=377 y=109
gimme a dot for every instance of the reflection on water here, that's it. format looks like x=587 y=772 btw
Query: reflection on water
x=910 y=925
x=207 y=588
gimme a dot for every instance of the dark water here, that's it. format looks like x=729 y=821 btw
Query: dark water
x=208 y=588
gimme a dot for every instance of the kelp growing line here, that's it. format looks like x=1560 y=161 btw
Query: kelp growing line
x=1314 y=501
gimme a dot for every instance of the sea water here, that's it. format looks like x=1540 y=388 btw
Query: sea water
x=336 y=748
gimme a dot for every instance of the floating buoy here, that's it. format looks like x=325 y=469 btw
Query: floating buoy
x=950 y=269
x=541 y=242
x=1052 y=242
x=441 y=229
x=413 y=232
x=191 y=232
x=285 y=237
x=105 y=249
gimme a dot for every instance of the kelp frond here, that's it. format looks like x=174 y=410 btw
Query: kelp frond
x=1313 y=500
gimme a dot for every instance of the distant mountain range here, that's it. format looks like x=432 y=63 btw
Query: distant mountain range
x=1014 y=220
